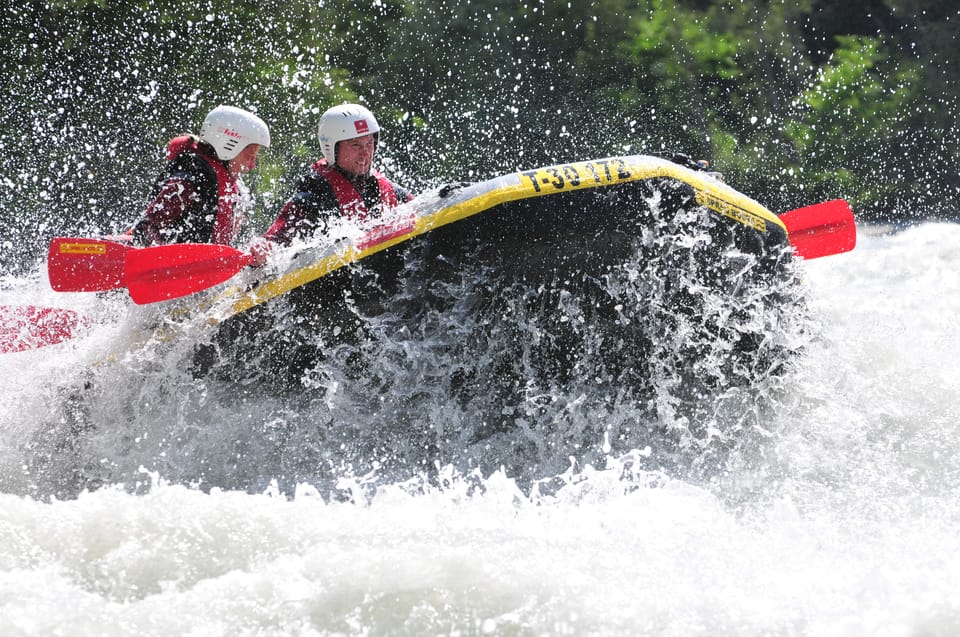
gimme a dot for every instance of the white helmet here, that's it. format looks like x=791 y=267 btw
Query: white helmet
x=229 y=130
x=340 y=123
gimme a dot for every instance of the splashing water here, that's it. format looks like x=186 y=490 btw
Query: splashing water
x=841 y=521
x=467 y=359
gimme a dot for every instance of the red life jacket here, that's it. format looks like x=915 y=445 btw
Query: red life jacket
x=227 y=222
x=350 y=201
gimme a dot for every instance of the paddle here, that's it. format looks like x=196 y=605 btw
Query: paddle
x=85 y=265
x=28 y=327
x=160 y=273
x=151 y=274
x=821 y=229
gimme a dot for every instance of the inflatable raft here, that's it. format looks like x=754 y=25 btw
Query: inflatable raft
x=563 y=231
x=583 y=310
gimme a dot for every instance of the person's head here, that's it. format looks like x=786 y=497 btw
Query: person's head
x=236 y=136
x=348 y=138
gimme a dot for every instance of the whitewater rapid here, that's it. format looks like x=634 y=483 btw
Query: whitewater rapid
x=842 y=523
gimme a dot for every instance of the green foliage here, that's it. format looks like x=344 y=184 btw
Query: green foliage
x=853 y=123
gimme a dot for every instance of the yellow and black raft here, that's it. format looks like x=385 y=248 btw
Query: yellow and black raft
x=615 y=245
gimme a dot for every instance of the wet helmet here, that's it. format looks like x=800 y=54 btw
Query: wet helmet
x=340 y=123
x=229 y=130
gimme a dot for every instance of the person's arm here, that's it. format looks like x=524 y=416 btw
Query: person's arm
x=403 y=195
x=297 y=219
x=301 y=217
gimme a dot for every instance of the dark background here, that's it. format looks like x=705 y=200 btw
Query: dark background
x=795 y=102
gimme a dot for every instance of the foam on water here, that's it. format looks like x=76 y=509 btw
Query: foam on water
x=842 y=521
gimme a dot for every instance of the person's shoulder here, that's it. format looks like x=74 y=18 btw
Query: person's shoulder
x=313 y=190
x=190 y=166
x=314 y=175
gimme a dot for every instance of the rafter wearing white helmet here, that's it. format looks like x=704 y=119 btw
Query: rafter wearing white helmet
x=340 y=123
x=199 y=196
x=229 y=130
x=343 y=184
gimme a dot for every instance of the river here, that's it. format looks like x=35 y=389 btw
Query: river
x=841 y=520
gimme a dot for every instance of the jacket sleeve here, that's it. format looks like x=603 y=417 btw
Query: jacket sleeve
x=403 y=195
x=305 y=213
x=296 y=220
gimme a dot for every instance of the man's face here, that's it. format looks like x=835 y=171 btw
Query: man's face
x=246 y=160
x=355 y=156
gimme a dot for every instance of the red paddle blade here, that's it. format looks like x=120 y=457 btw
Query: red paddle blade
x=160 y=273
x=821 y=229
x=85 y=265
x=28 y=327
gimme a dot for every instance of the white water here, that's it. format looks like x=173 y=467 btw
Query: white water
x=847 y=524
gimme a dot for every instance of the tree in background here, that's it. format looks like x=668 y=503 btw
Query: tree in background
x=794 y=110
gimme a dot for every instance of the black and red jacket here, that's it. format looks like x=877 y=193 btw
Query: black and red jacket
x=326 y=191
x=194 y=200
